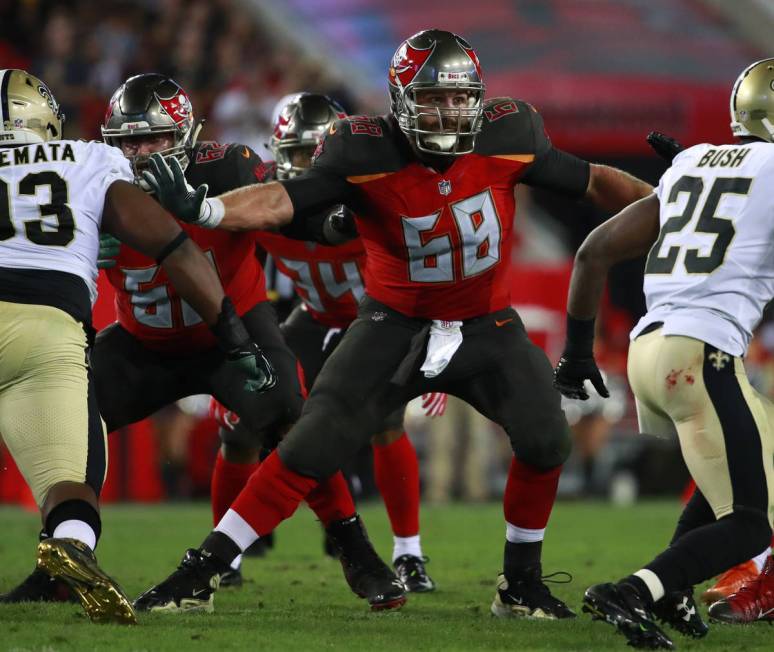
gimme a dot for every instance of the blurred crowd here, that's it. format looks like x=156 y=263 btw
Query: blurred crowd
x=234 y=70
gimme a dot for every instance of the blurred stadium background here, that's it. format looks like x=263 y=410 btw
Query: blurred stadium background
x=602 y=72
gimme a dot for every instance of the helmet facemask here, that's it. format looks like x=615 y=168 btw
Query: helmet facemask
x=443 y=130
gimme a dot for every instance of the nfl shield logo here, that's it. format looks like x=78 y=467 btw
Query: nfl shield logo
x=444 y=187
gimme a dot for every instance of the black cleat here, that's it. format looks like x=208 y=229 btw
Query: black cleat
x=678 y=610
x=411 y=571
x=231 y=579
x=367 y=575
x=190 y=588
x=74 y=563
x=39 y=587
x=527 y=596
x=623 y=608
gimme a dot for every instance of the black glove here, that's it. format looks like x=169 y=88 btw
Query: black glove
x=665 y=146
x=170 y=187
x=570 y=373
x=339 y=227
x=577 y=363
x=108 y=250
x=242 y=354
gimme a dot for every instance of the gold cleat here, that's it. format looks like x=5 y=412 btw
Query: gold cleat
x=73 y=563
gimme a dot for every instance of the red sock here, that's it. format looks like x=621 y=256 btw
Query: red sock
x=271 y=495
x=228 y=479
x=529 y=495
x=331 y=500
x=396 y=471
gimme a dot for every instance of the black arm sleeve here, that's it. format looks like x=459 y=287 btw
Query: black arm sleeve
x=315 y=191
x=559 y=171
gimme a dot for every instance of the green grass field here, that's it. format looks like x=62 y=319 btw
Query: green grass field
x=295 y=599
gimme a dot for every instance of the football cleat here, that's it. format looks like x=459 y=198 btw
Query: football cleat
x=730 y=582
x=39 y=587
x=752 y=602
x=411 y=571
x=74 y=563
x=527 y=596
x=231 y=579
x=190 y=588
x=367 y=575
x=678 y=610
x=623 y=608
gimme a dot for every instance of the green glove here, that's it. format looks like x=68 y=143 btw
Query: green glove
x=108 y=250
x=173 y=192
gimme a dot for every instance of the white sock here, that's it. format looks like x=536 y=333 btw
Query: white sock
x=760 y=560
x=516 y=534
x=75 y=529
x=406 y=546
x=653 y=583
x=237 y=563
x=237 y=529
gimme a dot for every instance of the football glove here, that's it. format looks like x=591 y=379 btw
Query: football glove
x=168 y=183
x=339 y=227
x=570 y=374
x=665 y=146
x=242 y=354
x=434 y=404
x=108 y=250
x=224 y=417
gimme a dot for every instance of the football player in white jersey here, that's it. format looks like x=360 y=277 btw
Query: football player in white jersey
x=709 y=231
x=55 y=196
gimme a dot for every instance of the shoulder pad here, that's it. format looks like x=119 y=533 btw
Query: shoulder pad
x=360 y=145
x=512 y=127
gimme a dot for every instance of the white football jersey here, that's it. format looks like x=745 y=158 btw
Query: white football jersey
x=51 y=200
x=711 y=271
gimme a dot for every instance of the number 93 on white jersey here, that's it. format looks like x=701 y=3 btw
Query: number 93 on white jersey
x=51 y=200
x=711 y=271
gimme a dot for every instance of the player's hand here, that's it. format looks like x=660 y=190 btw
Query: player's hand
x=108 y=250
x=665 y=146
x=242 y=354
x=224 y=417
x=252 y=363
x=173 y=192
x=434 y=404
x=339 y=227
x=570 y=374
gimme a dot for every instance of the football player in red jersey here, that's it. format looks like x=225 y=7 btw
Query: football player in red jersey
x=432 y=186
x=328 y=279
x=159 y=350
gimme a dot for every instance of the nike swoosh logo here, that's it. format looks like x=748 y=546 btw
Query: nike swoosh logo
x=245 y=152
x=765 y=613
x=502 y=322
x=198 y=592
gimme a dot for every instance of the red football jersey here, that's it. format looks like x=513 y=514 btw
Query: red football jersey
x=329 y=280
x=149 y=307
x=146 y=303
x=438 y=244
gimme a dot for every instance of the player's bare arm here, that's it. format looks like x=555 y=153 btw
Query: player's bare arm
x=628 y=235
x=611 y=189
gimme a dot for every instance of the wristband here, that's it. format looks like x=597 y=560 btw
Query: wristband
x=579 y=342
x=211 y=213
